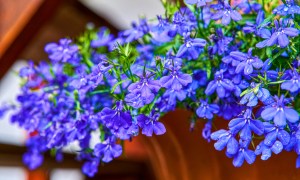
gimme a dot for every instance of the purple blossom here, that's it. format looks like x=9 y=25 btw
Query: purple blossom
x=294 y=143
x=103 y=38
x=243 y=154
x=108 y=150
x=298 y=162
x=247 y=61
x=161 y=31
x=246 y=125
x=90 y=168
x=145 y=87
x=190 y=46
x=136 y=32
x=258 y=28
x=199 y=3
x=279 y=112
x=206 y=131
x=176 y=80
x=64 y=51
x=266 y=151
x=288 y=8
x=292 y=85
x=164 y=105
x=281 y=33
x=229 y=108
x=256 y=92
x=172 y=95
x=172 y=62
x=226 y=14
x=33 y=159
x=225 y=139
x=191 y=90
x=247 y=7
x=116 y=118
x=219 y=84
x=221 y=42
x=273 y=132
x=136 y=100
x=206 y=110
x=150 y=124
x=200 y=77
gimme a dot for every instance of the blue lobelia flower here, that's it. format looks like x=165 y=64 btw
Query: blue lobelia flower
x=254 y=93
x=90 y=168
x=247 y=61
x=281 y=33
x=160 y=32
x=171 y=61
x=116 y=118
x=164 y=105
x=190 y=46
x=64 y=51
x=273 y=132
x=258 y=28
x=219 y=84
x=145 y=87
x=229 y=108
x=298 y=162
x=279 y=112
x=230 y=61
x=96 y=76
x=33 y=159
x=266 y=151
x=247 y=7
x=206 y=131
x=176 y=80
x=136 y=100
x=246 y=125
x=266 y=35
x=226 y=14
x=206 y=110
x=103 y=38
x=172 y=96
x=183 y=20
x=200 y=77
x=191 y=90
x=221 y=42
x=294 y=143
x=292 y=85
x=136 y=32
x=225 y=139
x=243 y=154
x=150 y=124
x=108 y=150
x=199 y=3
x=287 y=8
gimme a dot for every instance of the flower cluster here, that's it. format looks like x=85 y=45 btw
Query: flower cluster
x=205 y=57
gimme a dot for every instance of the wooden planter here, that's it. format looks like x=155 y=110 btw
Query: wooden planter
x=184 y=155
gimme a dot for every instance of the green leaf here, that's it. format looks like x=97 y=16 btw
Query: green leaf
x=100 y=91
x=116 y=85
x=68 y=69
x=269 y=52
x=277 y=55
x=277 y=82
x=267 y=20
x=245 y=92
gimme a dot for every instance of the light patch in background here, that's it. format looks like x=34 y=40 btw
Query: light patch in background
x=9 y=89
x=121 y=13
x=66 y=174
x=12 y=173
